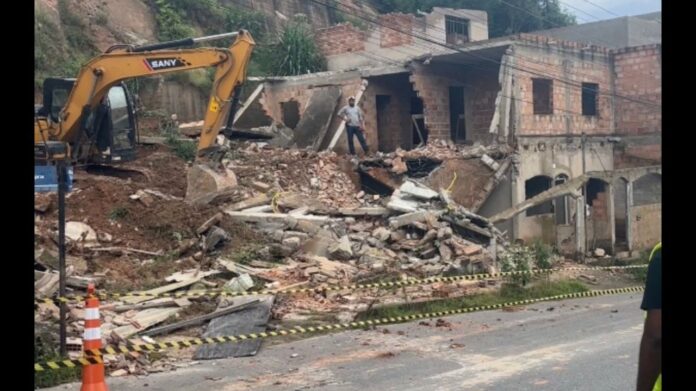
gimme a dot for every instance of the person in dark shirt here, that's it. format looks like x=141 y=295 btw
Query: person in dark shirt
x=650 y=360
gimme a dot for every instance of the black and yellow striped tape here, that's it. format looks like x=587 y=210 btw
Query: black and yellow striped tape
x=310 y=329
x=328 y=288
x=53 y=365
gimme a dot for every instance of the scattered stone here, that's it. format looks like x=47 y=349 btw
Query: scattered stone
x=240 y=284
x=78 y=231
x=215 y=236
x=381 y=233
x=599 y=252
x=292 y=242
x=341 y=250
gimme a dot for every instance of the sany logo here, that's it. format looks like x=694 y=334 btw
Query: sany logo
x=155 y=64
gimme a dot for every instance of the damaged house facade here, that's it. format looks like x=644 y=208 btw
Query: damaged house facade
x=580 y=118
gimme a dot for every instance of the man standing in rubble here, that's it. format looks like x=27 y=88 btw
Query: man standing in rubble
x=355 y=124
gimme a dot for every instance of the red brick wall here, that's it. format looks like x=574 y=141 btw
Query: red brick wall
x=397 y=127
x=480 y=90
x=341 y=38
x=638 y=76
x=567 y=72
x=638 y=156
x=433 y=90
x=388 y=37
x=272 y=97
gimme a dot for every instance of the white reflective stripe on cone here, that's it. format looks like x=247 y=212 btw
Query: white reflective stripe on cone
x=92 y=334
x=91 y=313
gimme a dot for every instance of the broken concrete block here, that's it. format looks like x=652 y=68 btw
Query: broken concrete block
x=260 y=186
x=492 y=164
x=416 y=190
x=292 y=242
x=408 y=218
x=214 y=237
x=445 y=252
x=76 y=231
x=240 y=284
x=599 y=252
x=342 y=249
x=381 y=233
x=402 y=205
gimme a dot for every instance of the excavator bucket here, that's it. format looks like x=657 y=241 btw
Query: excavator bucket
x=204 y=183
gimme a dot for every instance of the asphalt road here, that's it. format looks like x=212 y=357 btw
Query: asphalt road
x=581 y=344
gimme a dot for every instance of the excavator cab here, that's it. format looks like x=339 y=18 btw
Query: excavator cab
x=111 y=128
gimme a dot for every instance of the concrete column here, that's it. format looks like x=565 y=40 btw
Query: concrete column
x=610 y=216
x=514 y=185
x=580 y=244
x=629 y=208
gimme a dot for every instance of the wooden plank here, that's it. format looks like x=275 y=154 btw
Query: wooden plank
x=144 y=320
x=189 y=274
x=365 y=211
x=342 y=125
x=162 y=289
x=248 y=102
x=256 y=217
x=261 y=199
x=199 y=319
x=126 y=249
x=164 y=302
x=238 y=268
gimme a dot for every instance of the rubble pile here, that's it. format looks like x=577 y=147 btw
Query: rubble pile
x=298 y=218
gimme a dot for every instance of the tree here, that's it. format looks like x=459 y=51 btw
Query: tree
x=505 y=17
x=294 y=53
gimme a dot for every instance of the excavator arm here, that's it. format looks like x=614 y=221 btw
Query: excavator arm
x=84 y=110
x=105 y=71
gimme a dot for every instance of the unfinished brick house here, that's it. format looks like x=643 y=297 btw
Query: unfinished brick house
x=572 y=110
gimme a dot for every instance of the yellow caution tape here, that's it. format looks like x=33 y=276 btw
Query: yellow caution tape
x=150 y=347
x=331 y=288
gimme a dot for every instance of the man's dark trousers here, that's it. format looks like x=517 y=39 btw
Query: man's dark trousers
x=355 y=131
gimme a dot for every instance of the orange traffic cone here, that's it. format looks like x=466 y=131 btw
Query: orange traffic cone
x=93 y=374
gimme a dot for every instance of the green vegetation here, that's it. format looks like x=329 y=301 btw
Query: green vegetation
x=505 y=17
x=60 y=50
x=295 y=52
x=170 y=22
x=46 y=349
x=522 y=258
x=508 y=293
x=118 y=213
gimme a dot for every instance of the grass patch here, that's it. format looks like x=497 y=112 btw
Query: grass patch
x=183 y=149
x=507 y=293
x=244 y=255
x=46 y=349
x=118 y=213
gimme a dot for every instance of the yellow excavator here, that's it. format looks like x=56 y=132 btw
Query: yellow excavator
x=91 y=119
